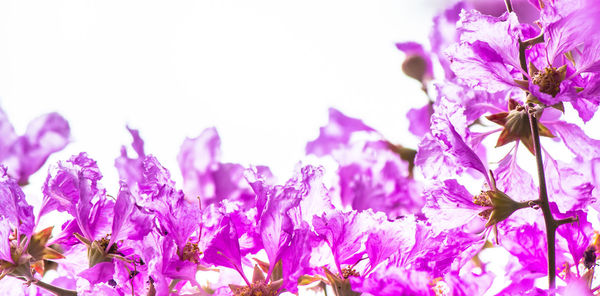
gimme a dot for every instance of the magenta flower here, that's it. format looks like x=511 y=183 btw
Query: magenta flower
x=336 y=134
x=373 y=173
x=108 y=229
x=392 y=280
x=24 y=155
x=205 y=176
x=15 y=210
x=131 y=169
x=72 y=186
x=488 y=58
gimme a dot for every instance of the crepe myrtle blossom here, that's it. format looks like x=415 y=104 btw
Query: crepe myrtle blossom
x=368 y=250
x=176 y=230
x=571 y=189
x=561 y=59
x=25 y=154
x=351 y=236
x=448 y=202
x=24 y=253
x=420 y=63
x=527 y=245
x=106 y=227
x=206 y=177
x=373 y=173
x=423 y=262
x=408 y=225
x=131 y=169
x=282 y=211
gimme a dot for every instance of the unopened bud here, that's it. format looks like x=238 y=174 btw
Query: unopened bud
x=415 y=66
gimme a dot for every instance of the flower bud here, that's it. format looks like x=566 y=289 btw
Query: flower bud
x=415 y=66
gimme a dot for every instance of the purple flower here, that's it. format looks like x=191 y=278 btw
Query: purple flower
x=5 y=232
x=129 y=222
x=157 y=191
x=392 y=281
x=108 y=229
x=204 y=176
x=418 y=119
x=514 y=180
x=175 y=216
x=24 y=155
x=439 y=252
x=72 y=186
x=376 y=178
x=223 y=248
x=176 y=228
x=296 y=256
x=131 y=169
x=388 y=238
x=162 y=256
x=344 y=233
x=373 y=174
x=450 y=205
x=15 y=209
x=575 y=237
x=336 y=134
x=444 y=152
x=528 y=244
x=568 y=185
x=488 y=58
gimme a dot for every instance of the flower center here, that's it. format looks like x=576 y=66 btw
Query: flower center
x=348 y=272
x=257 y=289
x=548 y=80
x=483 y=200
x=191 y=253
x=103 y=243
x=439 y=287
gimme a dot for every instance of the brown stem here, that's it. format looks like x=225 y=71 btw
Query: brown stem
x=544 y=204
x=508 y=5
x=549 y=221
x=565 y=221
x=55 y=290
x=522 y=60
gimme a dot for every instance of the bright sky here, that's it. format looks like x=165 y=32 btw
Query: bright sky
x=263 y=72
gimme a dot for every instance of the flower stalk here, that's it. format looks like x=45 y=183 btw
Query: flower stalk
x=54 y=290
x=549 y=221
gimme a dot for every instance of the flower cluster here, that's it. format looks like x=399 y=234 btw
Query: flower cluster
x=387 y=220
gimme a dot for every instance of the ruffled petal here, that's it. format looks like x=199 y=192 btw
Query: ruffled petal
x=131 y=169
x=15 y=208
x=336 y=133
x=44 y=135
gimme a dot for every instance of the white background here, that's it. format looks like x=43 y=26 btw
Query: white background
x=263 y=72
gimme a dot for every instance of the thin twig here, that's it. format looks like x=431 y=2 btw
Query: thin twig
x=508 y=5
x=55 y=290
x=544 y=204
